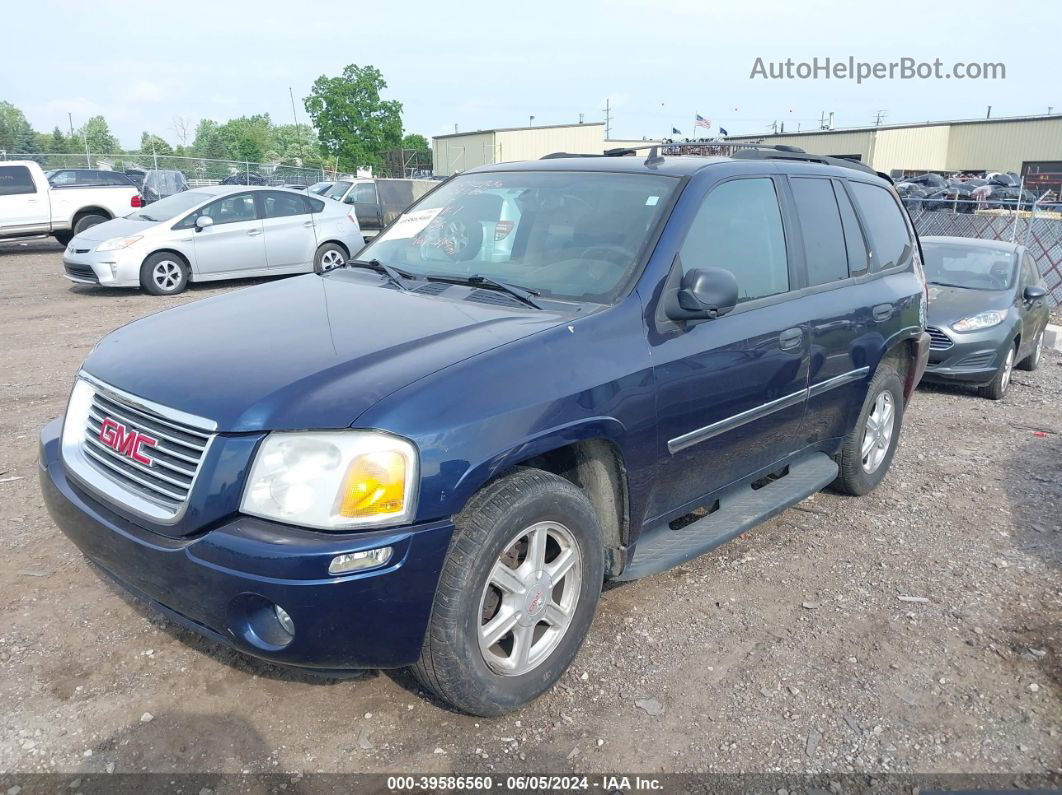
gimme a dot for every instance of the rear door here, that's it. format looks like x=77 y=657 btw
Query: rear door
x=23 y=204
x=731 y=391
x=290 y=241
x=367 y=208
x=234 y=242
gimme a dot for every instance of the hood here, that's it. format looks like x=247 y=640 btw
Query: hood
x=950 y=304
x=306 y=352
x=116 y=227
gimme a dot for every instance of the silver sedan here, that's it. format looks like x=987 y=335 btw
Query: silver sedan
x=219 y=232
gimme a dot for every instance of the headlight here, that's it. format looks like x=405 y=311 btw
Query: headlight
x=116 y=243
x=978 y=322
x=333 y=480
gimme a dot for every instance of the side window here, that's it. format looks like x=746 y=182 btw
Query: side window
x=820 y=224
x=281 y=205
x=739 y=228
x=15 y=180
x=1030 y=275
x=228 y=210
x=363 y=193
x=855 y=243
x=316 y=205
x=114 y=178
x=889 y=237
x=61 y=178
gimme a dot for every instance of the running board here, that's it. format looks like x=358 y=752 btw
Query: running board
x=739 y=510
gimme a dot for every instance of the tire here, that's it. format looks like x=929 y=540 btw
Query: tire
x=997 y=387
x=1032 y=361
x=328 y=257
x=88 y=221
x=164 y=274
x=63 y=237
x=861 y=471
x=493 y=530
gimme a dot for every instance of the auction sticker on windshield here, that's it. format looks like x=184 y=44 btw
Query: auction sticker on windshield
x=412 y=223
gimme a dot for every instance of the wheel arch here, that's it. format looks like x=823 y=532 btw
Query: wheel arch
x=91 y=210
x=334 y=241
x=587 y=455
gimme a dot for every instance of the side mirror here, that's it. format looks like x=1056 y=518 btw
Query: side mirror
x=704 y=294
x=1034 y=292
x=202 y=222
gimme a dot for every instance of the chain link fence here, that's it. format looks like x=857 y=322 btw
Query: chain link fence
x=1039 y=229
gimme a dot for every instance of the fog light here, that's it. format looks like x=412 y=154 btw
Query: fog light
x=358 y=561
x=284 y=619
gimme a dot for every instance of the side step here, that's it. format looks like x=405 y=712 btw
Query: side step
x=663 y=548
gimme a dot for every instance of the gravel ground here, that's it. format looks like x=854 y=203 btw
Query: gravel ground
x=913 y=630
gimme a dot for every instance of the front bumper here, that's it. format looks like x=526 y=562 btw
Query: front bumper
x=84 y=265
x=972 y=358
x=224 y=582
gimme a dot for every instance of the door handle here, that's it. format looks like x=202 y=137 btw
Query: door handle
x=308 y=224
x=253 y=232
x=882 y=312
x=790 y=339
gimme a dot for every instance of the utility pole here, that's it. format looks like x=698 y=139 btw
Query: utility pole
x=822 y=121
x=878 y=118
x=989 y=114
x=608 y=119
x=295 y=118
x=70 y=117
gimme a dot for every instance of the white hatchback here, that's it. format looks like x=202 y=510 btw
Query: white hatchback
x=218 y=232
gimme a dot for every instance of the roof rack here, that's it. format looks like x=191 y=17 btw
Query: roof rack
x=793 y=153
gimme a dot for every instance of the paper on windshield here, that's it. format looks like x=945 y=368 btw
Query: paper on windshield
x=412 y=223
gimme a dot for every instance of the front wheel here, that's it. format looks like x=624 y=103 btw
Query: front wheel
x=997 y=387
x=869 y=447
x=164 y=274
x=516 y=595
x=89 y=221
x=1032 y=361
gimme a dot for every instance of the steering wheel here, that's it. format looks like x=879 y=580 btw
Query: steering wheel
x=617 y=255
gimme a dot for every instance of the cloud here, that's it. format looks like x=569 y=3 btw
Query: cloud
x=144 y=91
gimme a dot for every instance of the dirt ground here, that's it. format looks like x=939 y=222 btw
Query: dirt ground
x=792 y=649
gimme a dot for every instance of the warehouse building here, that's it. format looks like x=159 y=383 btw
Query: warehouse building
x=1028 y=145
x=461 y=151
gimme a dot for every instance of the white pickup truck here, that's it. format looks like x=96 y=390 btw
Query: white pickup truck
x=29 y=206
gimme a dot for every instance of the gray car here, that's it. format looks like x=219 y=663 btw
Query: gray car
x=987 y=312
x=218 y=232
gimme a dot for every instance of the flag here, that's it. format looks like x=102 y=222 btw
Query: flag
x=722 y=131
x=702 y=122
x=676 y=131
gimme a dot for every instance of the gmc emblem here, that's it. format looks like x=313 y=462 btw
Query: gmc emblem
x=126 y=441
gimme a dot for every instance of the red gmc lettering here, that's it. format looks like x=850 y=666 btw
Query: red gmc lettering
x=126 y=441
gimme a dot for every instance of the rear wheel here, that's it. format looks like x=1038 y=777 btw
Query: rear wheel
x=997 y=388
x=164 y=274
x=516 y=595
x=88 y=221
x=1032 y=361
x=869 y=447
x=329 y=257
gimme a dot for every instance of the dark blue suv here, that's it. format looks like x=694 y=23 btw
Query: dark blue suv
x=541 y=376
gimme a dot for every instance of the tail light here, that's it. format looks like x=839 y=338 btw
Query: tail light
x=352 y=217
x=136 y=201
x=502 y=229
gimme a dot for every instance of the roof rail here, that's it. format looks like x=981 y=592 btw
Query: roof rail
x=556 y=155
x=793 y=153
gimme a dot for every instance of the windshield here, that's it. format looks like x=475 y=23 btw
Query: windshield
x=337 y=190
x=976 y=268
x=171 y=206
x=567 y=235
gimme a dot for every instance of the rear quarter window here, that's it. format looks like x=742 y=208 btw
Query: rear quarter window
x=889 y=238
x=316 y=205
x=15 y=180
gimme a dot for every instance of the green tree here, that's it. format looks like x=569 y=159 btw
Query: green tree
x=247 y=149
x=353 y=123
x=58 y=143
x=16 y=134
x=97 y=135
x=154 y=144
x=247 y=135
x=208 y=142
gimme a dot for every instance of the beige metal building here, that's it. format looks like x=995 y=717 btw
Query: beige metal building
x=462 y=151
x=1019 y=143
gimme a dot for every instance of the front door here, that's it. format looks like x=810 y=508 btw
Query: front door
x=23 y=208
x=731 y=391
x=366 y=203
x=234 y=242
x=290 y=239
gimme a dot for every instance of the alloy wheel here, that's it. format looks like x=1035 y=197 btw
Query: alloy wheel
x=529 y=599
x=331 y=259
x=1008 y=368
x=877 y=435
x=166 y=275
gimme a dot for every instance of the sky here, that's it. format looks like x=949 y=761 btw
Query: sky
x=480 y=65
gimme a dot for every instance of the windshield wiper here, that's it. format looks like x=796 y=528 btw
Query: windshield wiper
x=522 y=294
x=394 y=275
x=948 y=284
x=147 y=217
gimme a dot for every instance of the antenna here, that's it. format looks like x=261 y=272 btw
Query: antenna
x=654 y=158
x=878 y=118
x=608 y=119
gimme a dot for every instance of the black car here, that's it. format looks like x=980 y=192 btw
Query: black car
x=245 y=178
x=987 y=312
